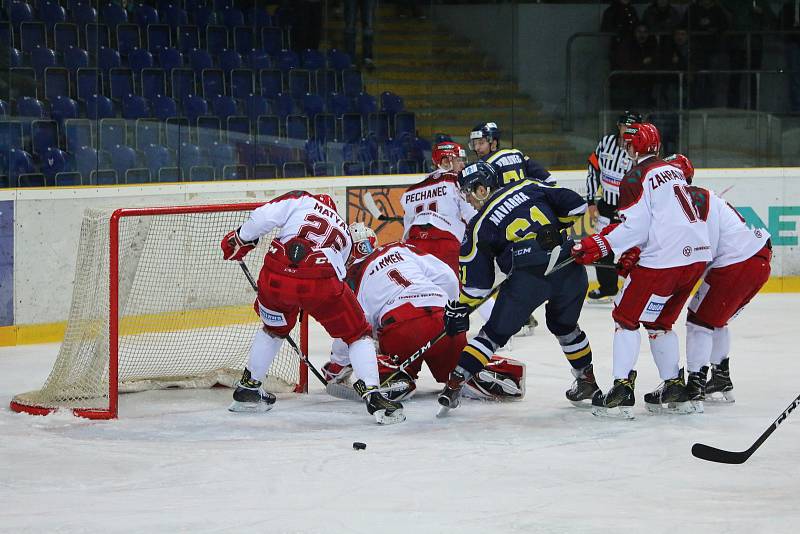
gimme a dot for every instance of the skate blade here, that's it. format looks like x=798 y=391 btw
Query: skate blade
x=583 y=405
x=603 y=300
x=443 y=411
x=382 y=418
x=673 y=408
x=250 y=407
x=342 y=390
x=506 y=384
x=721 y=397
x=620 y=412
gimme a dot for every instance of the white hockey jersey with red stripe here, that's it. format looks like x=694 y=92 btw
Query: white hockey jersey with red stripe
x=660 y=216
x=300 y=214
x=397 y=274
x=732 y=241
x=436 y=200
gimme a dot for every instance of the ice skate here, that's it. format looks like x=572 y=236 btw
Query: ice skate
x=670 y=397
x=619 y=400
x=450 y=395
x=596 y=296
x=696 y=388
x=250 y=397
x=719 y=387
x=583 y=388
x=386 y=412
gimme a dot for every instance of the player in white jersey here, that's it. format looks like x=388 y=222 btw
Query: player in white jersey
x=739 y=269
x=435 y=212
x=660 y=216
x=304 y=268
x=403 y=292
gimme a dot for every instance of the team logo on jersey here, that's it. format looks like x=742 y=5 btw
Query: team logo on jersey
x=687 y=251
x=757 y=233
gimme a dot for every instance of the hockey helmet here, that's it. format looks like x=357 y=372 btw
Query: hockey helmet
x=327 y=200
x=446 y=149
x=643 y=138
x=364 y=240
x=485 y=130
x=629 y=117
x=682 y=162
x=479 y=173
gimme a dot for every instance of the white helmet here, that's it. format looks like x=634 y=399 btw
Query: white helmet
x=364 y=240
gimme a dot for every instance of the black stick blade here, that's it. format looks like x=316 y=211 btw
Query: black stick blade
x=712 y=454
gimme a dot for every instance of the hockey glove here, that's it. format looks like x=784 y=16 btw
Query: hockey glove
x=590 y=249
x=233 y=248
x=456 y=318
x=628 y=261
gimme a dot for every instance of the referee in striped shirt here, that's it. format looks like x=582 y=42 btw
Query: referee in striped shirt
x=607 y=165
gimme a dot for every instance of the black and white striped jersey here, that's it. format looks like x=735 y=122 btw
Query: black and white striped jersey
x=607 y=165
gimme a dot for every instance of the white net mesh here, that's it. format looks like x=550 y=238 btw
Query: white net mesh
x=186 y=316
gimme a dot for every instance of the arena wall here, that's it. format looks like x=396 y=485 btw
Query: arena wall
x=39 y=229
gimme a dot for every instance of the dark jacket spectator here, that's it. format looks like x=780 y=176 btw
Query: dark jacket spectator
x=619 y=18
x=708 y=17
x=661 y=17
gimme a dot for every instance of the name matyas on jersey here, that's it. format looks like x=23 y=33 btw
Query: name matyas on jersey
x=425 y=194
x=508 y=204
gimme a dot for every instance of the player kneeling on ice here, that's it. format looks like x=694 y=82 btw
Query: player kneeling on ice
x=304 y=268
x=403 y=292
x=661 y=217
x=739 y=269
x=520 y=227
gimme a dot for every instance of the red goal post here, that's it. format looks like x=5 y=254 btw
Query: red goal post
x=155 y=306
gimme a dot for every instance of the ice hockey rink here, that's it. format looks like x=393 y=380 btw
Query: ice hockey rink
x=178 y=461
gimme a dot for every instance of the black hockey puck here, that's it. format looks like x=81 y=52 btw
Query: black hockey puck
x=358 y=446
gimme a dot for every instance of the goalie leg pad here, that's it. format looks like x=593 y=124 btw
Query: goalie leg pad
x=501 y=379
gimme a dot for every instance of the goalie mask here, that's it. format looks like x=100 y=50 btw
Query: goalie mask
x=682 y=162
x=364 y=241
x=447 y=149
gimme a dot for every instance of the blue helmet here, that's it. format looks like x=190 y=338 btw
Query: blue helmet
x=479 y=173
x=485 y=130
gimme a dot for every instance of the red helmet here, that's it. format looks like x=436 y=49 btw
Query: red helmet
x=643 y=138
x=327 y=200
x=447 y=149
x=682 y=162
x=364 y=240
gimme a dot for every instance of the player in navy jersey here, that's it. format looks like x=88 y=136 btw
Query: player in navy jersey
x=511 y=164
x=518 y=227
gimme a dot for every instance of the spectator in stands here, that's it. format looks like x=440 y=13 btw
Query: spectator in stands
x=351 y=12
x=746 y=16
x=673 y=54
x=636 y=53
x=620 y=18
x=790 y=22
x=706 y=21
x=661 y=17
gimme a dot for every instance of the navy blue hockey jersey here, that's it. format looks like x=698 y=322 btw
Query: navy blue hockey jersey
x=512 y=214
x=512 y=166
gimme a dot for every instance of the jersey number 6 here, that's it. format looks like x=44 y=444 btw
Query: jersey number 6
x=521 y=225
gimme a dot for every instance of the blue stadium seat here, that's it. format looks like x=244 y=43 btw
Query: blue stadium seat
x=138 y=59
x=264 y=171
x=63 y=108
x=339 y=60
x=19 y=162
x=148 y=132
x=89 y=82
x=107 y=59
x=271 y=82
x=83 y=14
x=229 y=60
x=252 y=154
x=314 y=152
x=351 y=127
x=135 y=107
x=286 y=60
x=213 y=81
x=30 y=108
x=378 y=125
x=123 y=158
x=283 y=105
x=391 y=103
x=199 y=60
x=297 y=127
x=78 y=133
x=325 y=127
x=170 y=58
x=209 y=130
x=145 y=15
x=202 y=173
x=129 y=38
x=157 y=157
x=312 y=104
x=164 y=107
x=97 y=36
x=380 y=166
x=216 y=39
x=255 y=105
x=224 y=106
x=6 y=34
x=404 y=123
x=182 y=82
x=194 y=106
x=189 y=156
x=244 y=39
x=113 y=132
x=294 y=169
x=153 y=82
x=174 y=16
x=41 y=58
x=103 y=176
x=75 y=58
x=407 y=166
x=32 y=35
x=159 y=36
x=279 y=152
x=19 y=82
x=243 y=83
x=353 y=168
x=44 y=134
x=32 y=179
x=68 y=179
x=121 y=83
x=238 y=127
x=337 y=104
x=65 y=35
x=312 y=59
x=258 y=17
x=19 y=12
x=272 y=40
x=176 y=132
x=221 y=154
x=56 y=82
x=268 y=126
x=352 y=83
x=299 y=83
x=324 y=168
x=14 y=57
x=258 y=59
x=138 y=175
x=53 y=161
x=113 y=14
x=188 y=38
x=10 y=136
x=51 y=14
x=232 y=17
x=202 y=16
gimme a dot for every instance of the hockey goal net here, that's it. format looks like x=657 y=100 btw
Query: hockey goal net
x=155 y=306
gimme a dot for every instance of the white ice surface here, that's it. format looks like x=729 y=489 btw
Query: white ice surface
x=178 y=461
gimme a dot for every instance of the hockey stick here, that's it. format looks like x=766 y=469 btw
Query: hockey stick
x=712 y=454
x=571 y=259
x=372 y=208
x=303 y=357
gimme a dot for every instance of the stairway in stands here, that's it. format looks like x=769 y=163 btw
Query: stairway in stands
x=451 y=86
